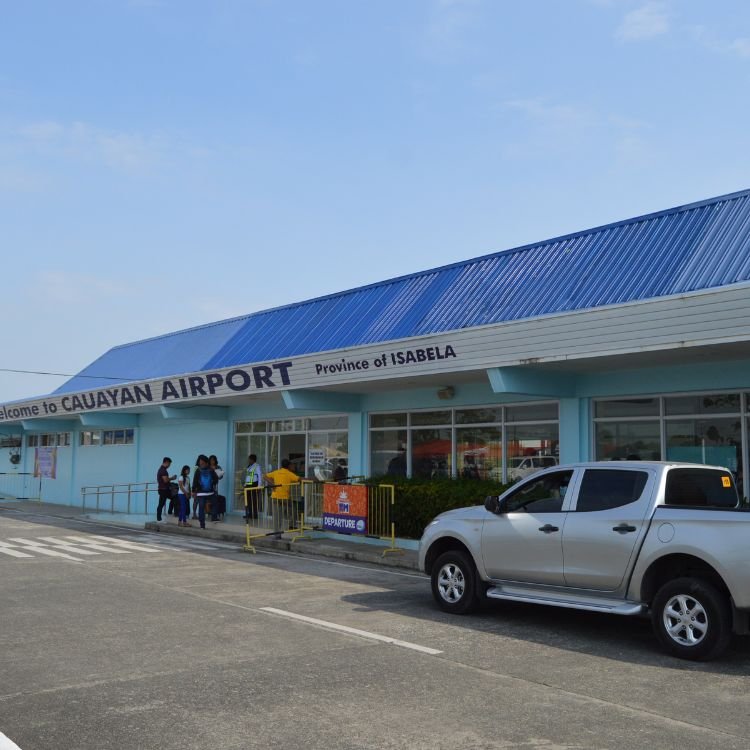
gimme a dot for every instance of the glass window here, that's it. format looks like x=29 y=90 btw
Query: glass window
x=544 y=495
x=431 y=453
x=388 y=453
x=243 y=427
x=108 y=437
x=329 y=423
x=288 y=425
x=479 y=416
x=388 y=420
x=722 y=403
x=637 y=441
x=479 y=453
x=328 y=456
x=119 y=437
x=627 y=407
x=430 y=417
x=530 y=448
x=700 y=488
x=130 y=436
x=532 y=412
x=603 y=489
x=706 y=441
x=32 y=441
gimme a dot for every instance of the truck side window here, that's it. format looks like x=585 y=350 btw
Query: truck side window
x=543 y=495
x=603 y=489
x=700 y=488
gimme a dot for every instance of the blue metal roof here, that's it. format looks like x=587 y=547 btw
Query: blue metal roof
x=687 y=248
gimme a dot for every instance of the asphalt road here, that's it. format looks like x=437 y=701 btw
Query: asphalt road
x=147 y=642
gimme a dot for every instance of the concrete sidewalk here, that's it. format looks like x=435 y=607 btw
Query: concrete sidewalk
x=232 y=530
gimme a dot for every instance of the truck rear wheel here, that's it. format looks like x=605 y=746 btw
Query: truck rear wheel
x=455 y=582
x=692 y=619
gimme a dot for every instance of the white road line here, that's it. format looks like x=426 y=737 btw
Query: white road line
x=351 y=631
x=7 y=744
x=36 y=547
x=84 y=541
x=7 y=549
x=67 y=546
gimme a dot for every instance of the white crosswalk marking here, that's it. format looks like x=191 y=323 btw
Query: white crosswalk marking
x=67 y=546
x=115 y=543
x=7 y=549
x=84 y=541
x=74 y=548
x=36 y=547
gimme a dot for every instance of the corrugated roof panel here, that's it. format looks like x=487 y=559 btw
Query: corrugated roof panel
x=700 y=246
x=184 y=351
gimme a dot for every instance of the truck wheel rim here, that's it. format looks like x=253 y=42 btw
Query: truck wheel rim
x=451 y=583
x=685 y=620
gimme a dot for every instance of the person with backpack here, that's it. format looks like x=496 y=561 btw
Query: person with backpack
x=205 y=482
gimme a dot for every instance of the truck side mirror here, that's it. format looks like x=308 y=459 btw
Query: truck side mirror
x=492 y=503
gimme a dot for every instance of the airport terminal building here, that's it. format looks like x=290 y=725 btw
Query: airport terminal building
x=623 y=341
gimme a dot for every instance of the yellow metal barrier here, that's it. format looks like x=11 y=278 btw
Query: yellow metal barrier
x=266 y=515
x=381 y=500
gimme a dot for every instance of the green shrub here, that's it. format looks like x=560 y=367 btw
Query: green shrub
x=418 y=501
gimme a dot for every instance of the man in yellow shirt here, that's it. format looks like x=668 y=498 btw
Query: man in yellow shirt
x=281 y=482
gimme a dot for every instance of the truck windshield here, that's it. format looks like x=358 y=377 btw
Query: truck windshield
x=705 y=488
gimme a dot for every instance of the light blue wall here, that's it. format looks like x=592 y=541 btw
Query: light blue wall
x=183 y=441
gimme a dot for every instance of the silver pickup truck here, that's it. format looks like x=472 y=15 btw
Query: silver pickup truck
x=627 y=538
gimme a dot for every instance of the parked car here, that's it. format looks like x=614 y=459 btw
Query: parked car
x=521 y=467
x=664 y=539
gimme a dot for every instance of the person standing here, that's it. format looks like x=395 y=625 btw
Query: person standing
x=340 y=472
x=204 y=489
x=253 y=483
x=183 y=497
x=281 y=480
x=221 y=501
x=162 y=485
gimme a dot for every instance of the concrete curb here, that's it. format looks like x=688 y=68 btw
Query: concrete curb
x=349 y=551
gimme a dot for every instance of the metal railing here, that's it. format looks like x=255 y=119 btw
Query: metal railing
x=20 y=485
x=304 y=507
x=122 y=498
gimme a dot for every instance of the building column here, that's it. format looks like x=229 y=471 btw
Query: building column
x=575 y=430
x=357 y=444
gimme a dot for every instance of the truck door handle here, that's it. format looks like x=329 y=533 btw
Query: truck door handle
x=623 y=528
x=548 y=528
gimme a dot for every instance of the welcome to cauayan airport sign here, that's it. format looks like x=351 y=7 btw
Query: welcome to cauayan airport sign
x=298 y=373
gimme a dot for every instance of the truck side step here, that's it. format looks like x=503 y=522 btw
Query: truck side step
x=566 y=600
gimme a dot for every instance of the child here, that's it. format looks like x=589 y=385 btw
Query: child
x=183 y=497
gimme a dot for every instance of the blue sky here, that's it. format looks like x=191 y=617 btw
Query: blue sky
x=167 y=163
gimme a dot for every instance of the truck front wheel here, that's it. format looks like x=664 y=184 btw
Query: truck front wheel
x=692 y=619
x=454 y=582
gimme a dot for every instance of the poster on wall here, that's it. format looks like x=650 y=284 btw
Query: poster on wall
x=345 y=508
x=45 y=462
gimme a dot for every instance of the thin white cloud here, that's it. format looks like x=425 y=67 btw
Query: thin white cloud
x=738 y=47
x=116 y=150
x=648 y=21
